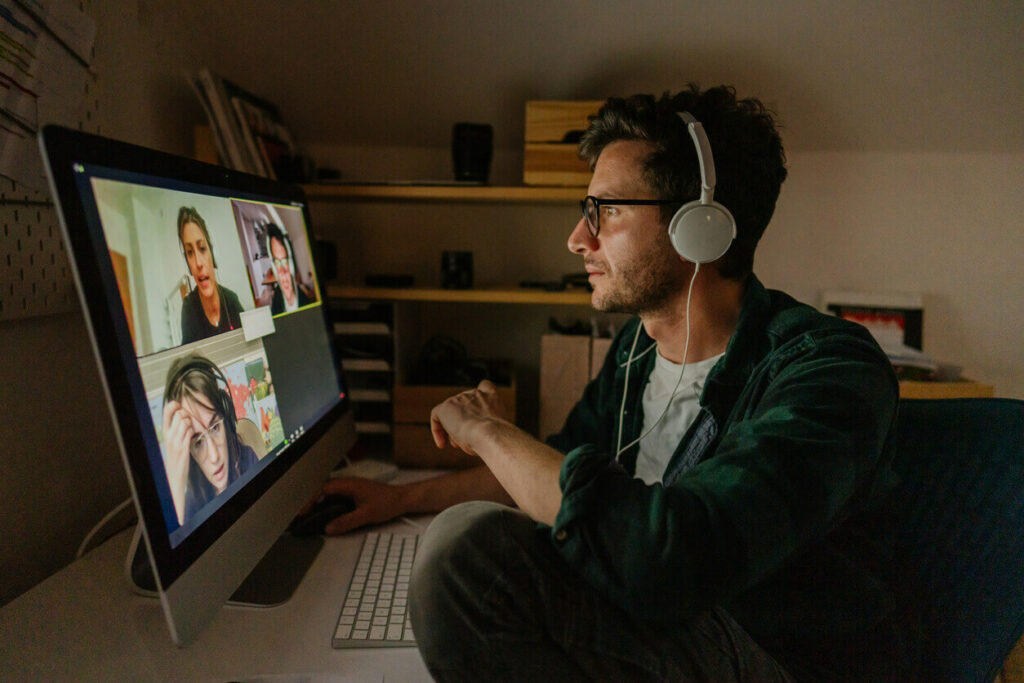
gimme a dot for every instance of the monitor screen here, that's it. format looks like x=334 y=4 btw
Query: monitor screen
x=210 y=328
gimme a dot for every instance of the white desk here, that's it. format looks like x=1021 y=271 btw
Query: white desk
x=84 y=623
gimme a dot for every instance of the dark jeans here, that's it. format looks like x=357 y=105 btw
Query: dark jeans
x=492 y=600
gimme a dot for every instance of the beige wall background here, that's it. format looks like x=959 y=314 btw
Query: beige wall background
x=901 y=122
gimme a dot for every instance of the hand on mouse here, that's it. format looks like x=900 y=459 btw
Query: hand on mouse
x=375 y=503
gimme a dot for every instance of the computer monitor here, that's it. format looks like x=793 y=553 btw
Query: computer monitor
x=211 y=332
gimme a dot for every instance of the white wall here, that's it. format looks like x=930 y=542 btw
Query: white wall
x=945 y=225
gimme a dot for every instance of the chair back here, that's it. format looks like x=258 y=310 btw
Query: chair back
x=961 y=530
x=250 y=435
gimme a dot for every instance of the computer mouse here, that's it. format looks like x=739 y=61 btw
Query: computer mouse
x=323 y=511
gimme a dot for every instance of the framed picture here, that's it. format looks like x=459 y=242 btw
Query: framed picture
x=894 y=319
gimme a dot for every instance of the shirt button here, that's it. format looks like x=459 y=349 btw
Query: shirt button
x=560 y=535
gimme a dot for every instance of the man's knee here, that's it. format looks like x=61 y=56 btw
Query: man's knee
x=454 y=569
x=455 y=531
x=457 y=542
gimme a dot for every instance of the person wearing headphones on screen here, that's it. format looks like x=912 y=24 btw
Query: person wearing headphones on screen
x=288 y=296
x=203 y=451
x=210 y=308
x=715 y=506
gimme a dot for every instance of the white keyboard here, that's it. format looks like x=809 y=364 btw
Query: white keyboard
x=374 y=612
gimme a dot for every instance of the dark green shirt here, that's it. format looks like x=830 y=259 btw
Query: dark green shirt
x=770 y=505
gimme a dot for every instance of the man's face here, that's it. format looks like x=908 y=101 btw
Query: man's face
x=282 y=270
x=631 y=263
x=200 y=259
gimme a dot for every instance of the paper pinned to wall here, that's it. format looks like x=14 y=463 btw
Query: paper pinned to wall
x=45 y=52
x=67 y=23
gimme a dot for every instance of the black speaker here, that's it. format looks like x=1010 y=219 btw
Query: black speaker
x=326 y=256
x=472 y=148
x=457 y=269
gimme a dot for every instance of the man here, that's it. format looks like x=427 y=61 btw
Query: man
x=288 y=296
x=711 y=509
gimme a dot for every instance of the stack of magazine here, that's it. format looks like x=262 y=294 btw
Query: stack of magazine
x=247 y=129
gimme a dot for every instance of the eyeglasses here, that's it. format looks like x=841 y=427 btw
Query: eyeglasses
x=215 y=434
x=282 y=263
x=591 y=208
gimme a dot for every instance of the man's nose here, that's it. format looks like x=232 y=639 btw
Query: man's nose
x=580 y=239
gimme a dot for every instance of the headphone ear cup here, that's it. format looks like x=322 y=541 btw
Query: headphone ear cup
x=227 y=403
x=702 y=233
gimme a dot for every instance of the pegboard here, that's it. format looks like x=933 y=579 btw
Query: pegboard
x=35 y=276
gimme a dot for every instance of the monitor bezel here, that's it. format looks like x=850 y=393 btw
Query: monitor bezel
x=119 y=370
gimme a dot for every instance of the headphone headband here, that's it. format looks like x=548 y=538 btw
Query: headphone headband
x=195 y=363
x=701 y=231
x=705 y=157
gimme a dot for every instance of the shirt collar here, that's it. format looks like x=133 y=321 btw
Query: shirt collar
x=740 y=352
x=727 y=379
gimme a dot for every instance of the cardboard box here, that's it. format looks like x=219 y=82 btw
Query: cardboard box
x=413 y=444
x=552 y=136
x=567 y=364
x=564 y=372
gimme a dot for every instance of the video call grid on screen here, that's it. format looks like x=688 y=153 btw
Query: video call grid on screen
x=273 y=360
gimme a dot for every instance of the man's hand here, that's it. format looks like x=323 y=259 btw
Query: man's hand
x=375 y=503
x=456 y=421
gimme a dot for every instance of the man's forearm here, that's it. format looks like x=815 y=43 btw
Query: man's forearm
x=438 y=493
x=526 y=468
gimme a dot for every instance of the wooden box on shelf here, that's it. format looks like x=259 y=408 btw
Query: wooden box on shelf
x=552 y=135
x=413 y=444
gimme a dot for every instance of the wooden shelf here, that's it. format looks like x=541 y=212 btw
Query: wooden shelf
x=963 y=389
x=459 y=193
x=497 y=295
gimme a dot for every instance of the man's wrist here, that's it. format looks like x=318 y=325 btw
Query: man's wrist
x=407 y=499
x=489 y=433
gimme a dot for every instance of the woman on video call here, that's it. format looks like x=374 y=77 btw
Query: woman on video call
x=210 y=308
x=204 y=453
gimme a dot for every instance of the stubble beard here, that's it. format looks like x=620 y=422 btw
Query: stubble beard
x=641 y=285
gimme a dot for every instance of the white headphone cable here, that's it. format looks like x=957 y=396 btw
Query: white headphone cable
x=86 y=543
x=643 y=353
x=625 y=391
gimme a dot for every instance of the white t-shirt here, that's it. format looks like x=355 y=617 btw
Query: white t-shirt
x=658 y=446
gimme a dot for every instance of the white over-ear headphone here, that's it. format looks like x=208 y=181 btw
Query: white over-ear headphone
x=702 y=230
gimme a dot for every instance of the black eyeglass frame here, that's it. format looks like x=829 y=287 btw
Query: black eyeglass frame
x=595 y=228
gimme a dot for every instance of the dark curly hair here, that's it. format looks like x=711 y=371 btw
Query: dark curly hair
x=749 y=160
